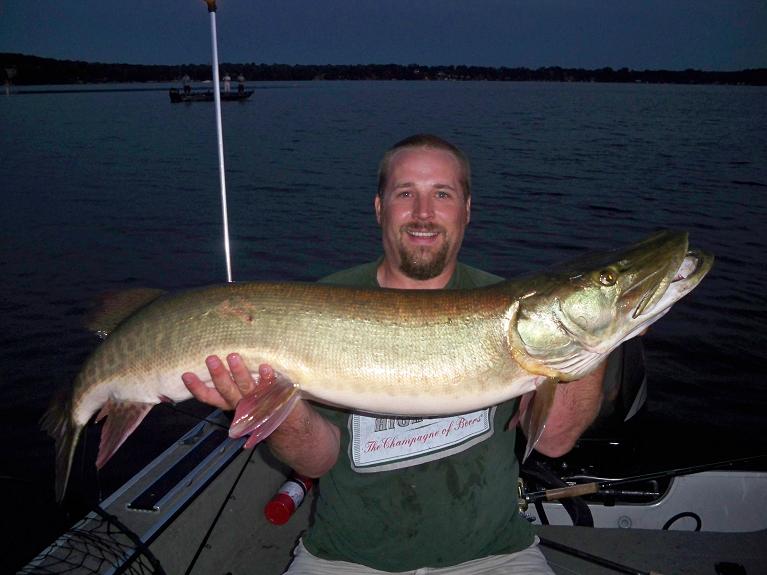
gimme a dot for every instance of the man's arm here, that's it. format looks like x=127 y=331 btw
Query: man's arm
x=576 y=405
x=305 y=441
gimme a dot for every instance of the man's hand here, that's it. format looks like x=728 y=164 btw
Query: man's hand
x=305 y=441
x=230 y=385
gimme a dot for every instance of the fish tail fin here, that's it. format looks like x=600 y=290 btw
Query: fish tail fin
x=261 y=412
x=57 y=422
x=537 y=412
x=122 y=418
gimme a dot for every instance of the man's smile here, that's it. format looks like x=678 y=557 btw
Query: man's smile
x=420 y=233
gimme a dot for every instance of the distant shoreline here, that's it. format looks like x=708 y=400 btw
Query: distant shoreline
x=87 y=88
x=28 y=70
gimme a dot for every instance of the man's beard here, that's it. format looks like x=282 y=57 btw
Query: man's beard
x=423 y=264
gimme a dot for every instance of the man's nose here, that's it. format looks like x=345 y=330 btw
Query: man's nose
x=424 y=207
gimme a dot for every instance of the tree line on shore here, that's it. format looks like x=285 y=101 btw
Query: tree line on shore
x=22 y=69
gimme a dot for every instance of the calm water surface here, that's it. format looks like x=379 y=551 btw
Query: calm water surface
x=106 y=191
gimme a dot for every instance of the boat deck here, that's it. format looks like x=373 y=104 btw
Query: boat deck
x=243 y=539
x=212 y=521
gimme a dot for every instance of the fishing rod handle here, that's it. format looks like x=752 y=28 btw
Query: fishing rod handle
x=571 y=491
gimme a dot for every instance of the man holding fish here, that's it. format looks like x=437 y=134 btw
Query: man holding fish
x=405 y=493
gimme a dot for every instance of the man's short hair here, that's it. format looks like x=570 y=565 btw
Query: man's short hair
x=427 y=141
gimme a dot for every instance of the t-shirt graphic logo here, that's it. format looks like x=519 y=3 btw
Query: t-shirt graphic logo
x=385 y=443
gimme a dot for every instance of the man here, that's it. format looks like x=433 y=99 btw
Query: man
x=393 y=499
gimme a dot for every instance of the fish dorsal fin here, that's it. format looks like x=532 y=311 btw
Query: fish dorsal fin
x=115 y=307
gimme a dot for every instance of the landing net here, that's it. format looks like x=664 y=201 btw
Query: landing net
x=99 y=544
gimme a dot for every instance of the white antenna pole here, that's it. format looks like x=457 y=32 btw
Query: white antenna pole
x=220 y=134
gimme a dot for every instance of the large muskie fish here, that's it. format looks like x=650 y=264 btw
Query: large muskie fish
x=396 y=352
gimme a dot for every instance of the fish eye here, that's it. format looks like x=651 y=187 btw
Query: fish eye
x=608 y=277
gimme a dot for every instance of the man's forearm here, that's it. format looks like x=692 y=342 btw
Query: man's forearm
x=306 y=441
x=576 y=405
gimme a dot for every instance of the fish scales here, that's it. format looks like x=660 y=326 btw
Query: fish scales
x=333 y=342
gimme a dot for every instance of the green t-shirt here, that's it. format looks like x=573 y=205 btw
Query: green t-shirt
x=407 y=492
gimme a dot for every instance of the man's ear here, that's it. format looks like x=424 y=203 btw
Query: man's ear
x=377 y=204
x=468 y=210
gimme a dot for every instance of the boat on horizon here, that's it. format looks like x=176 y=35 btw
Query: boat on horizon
x=178 y=96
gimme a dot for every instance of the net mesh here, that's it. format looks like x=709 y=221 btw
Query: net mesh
x=98 y=544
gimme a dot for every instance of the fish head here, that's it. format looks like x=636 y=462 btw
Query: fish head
x=575 y=314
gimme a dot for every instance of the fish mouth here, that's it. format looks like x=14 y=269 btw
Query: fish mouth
x=691 y=267
x=694 y=266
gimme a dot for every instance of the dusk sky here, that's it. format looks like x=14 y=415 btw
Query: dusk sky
x=638 y=34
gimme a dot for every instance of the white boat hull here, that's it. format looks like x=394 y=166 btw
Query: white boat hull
x=720 y=501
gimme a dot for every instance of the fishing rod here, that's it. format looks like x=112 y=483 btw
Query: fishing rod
x=220 y=135
x=580 y=489
x=227 y=254
x=596 y=486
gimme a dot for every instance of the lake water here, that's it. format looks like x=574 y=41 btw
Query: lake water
x=106 y=191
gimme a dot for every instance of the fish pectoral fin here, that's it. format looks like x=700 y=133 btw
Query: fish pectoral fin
x=123 y=417
x=261 y=412
x=537 y=412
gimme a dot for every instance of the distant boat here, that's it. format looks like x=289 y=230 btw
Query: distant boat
x=177 y=96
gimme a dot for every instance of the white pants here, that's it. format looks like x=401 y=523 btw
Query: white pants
x=529 y=561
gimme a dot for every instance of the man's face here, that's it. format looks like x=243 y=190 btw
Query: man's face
x=423 y=212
